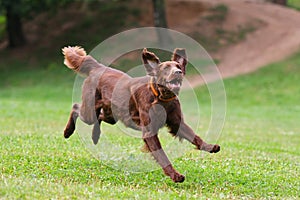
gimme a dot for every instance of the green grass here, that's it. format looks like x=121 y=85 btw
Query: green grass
x=260 y=142
x=294 y=4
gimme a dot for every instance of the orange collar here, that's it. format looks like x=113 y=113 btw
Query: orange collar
x=155 y=92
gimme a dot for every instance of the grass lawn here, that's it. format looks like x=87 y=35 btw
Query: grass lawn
x=259 y=158
x=294 y=4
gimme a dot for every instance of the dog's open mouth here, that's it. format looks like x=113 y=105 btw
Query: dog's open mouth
x=174 y=84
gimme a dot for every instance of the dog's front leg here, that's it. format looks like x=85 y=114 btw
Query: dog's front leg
x=151 y=121
x=187 y=133
x=154 y=147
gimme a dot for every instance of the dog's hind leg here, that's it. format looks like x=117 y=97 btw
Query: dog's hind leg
x=89 y=101
x=104 y=116
x=96 y=128
x=70 y=127
x=96 y=132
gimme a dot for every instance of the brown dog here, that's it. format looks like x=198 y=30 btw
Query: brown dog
x=145 y=103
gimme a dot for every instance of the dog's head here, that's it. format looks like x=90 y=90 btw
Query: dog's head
x=168 y=74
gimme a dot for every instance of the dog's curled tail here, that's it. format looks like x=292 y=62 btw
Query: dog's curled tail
x=77 y=60
x=74 y=56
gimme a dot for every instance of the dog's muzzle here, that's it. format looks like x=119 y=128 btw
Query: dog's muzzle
x=174 y=82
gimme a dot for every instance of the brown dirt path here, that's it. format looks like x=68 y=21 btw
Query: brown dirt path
x=276 y=40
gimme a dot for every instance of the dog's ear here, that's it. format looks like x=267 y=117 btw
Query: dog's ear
x=151 y=61
x=179 y=56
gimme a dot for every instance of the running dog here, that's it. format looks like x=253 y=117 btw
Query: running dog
x=145 y=103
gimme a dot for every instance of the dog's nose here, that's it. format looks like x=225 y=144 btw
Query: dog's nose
x=177 y=72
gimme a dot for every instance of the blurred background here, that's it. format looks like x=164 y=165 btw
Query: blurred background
x=34 y=31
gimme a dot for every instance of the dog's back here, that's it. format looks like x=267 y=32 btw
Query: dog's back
x=101 y=86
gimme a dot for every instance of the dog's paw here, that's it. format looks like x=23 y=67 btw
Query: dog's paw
x=178 y=178
x=96 y=133
x=216 y=148
x=68 y=132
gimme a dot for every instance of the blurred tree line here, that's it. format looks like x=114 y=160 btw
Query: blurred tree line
x=281 y=2
x=16 y=10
